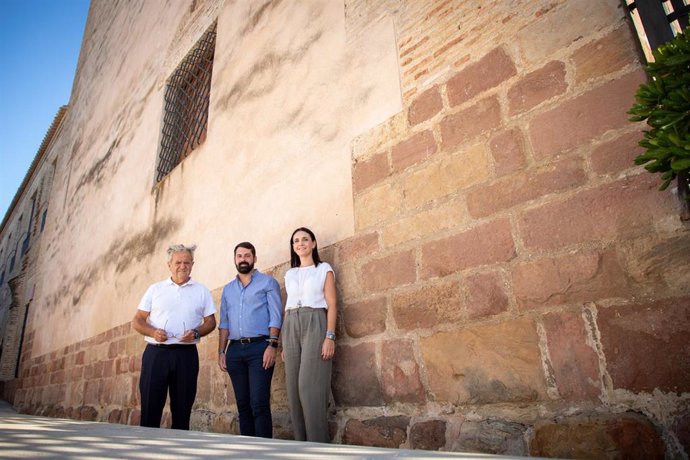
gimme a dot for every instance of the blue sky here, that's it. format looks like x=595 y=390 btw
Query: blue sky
x=39 y=48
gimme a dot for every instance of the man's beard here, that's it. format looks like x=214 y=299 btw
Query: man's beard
x=244 y=267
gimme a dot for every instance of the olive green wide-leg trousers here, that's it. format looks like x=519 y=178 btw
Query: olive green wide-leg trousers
x=307 y=375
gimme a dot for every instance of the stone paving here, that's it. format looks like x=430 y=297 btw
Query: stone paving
x=28 y=436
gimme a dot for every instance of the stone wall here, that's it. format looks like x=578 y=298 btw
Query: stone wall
x=514 y=284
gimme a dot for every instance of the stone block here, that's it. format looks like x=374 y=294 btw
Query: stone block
x=92 y=391
x=369 y=171
x=508 y=150
x=355 y=380
x=537 y=87
x=612 y=436
x=414 y=150
x=365 y=317
x=358 y=246
x=428 y=435
x=606 y=212
x=606 y=55
x=449 y=214
x=486 y=295
x=427 y=306
x=425 y=106
x=400 y=373
x=573 y=358
x=448 y=175
x=562 y=26
x=618 y=154
x=484 y=244
x=646 y=345
x=489 y=72
x=388 y=432
x=492 y=437
x=660 y=265
x=377 y=205
x=575 y=277
x=485 y=364
x=525 y=186
x=390 y=271
x=469 y=123
x=577 y=121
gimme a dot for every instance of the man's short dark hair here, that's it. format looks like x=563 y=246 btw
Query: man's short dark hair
x=245 y=245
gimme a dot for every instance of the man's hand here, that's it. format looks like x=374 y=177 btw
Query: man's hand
x=222 y=363
x=159 y=335
x=187 y=337
x=269 y=357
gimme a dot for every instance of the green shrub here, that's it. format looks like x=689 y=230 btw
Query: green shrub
x=665 y=103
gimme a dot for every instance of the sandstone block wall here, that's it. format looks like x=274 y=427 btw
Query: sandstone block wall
x=515 y=284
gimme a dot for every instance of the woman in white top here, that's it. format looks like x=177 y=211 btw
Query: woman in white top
x=308 y=337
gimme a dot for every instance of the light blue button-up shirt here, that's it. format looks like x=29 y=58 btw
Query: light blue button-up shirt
x=250 y=311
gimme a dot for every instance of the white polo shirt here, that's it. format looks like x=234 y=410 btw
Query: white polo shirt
x=176 y=309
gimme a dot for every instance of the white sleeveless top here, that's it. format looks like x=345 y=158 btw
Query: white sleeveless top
x=305 y=285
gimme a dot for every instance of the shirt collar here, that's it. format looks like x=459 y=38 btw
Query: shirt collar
x=170 y=282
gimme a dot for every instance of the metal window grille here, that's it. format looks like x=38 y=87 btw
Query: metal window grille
x=186 y=105
x=657 y=21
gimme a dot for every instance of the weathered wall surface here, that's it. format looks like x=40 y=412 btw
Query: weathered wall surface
x=511 y=283
x=280 y=124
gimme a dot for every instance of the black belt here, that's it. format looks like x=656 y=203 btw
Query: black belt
x=171 y=346
x=245 y=340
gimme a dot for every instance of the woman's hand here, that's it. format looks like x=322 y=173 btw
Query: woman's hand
x=327 y=349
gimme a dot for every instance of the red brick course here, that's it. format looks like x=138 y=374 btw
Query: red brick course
x=577 y=121
x=488 y=243
x=575 y=363
x=578 y=277
x=537 y=87
x=525 y=186
x=487 y=73
x=646 y=345
x=390 y=271
x=507 y=149
x=370 y=171
x=413 y=150
x=469 y=123
x=624 y=207
x=426 y=105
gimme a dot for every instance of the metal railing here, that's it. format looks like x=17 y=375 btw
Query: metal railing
x=186 y=105
x=657 y=21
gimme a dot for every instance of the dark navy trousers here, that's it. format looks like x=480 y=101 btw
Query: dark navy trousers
x=172 y=369
x=252 y=386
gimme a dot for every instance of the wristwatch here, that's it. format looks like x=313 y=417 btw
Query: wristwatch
x=273 y=342
x=330 y=335
x=197 y=335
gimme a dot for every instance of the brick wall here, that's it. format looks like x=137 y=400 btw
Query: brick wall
x=515 y=284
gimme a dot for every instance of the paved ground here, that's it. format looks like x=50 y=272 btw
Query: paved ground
x=27 y=436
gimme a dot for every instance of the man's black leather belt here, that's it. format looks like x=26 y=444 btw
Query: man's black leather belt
x=245 y=340
x=171 y=346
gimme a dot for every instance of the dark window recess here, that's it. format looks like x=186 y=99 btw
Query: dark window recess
x=186 y=105
x=657 y=21
x=25 y=245
x=2 y=278
x=12 y=263
x=43 y=220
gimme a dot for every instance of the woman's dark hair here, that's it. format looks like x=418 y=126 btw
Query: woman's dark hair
x=294 y=258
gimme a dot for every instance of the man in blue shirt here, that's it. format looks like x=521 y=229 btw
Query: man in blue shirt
x=251 y=316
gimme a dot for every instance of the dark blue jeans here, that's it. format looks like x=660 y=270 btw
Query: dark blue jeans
x=252 y=386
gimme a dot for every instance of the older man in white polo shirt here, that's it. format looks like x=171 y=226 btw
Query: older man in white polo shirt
x=173 y=315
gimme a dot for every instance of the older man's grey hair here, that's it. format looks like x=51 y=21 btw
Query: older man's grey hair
x=172 y=249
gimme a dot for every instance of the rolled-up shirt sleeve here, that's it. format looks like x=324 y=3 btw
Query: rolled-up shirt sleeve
x=275 y=305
